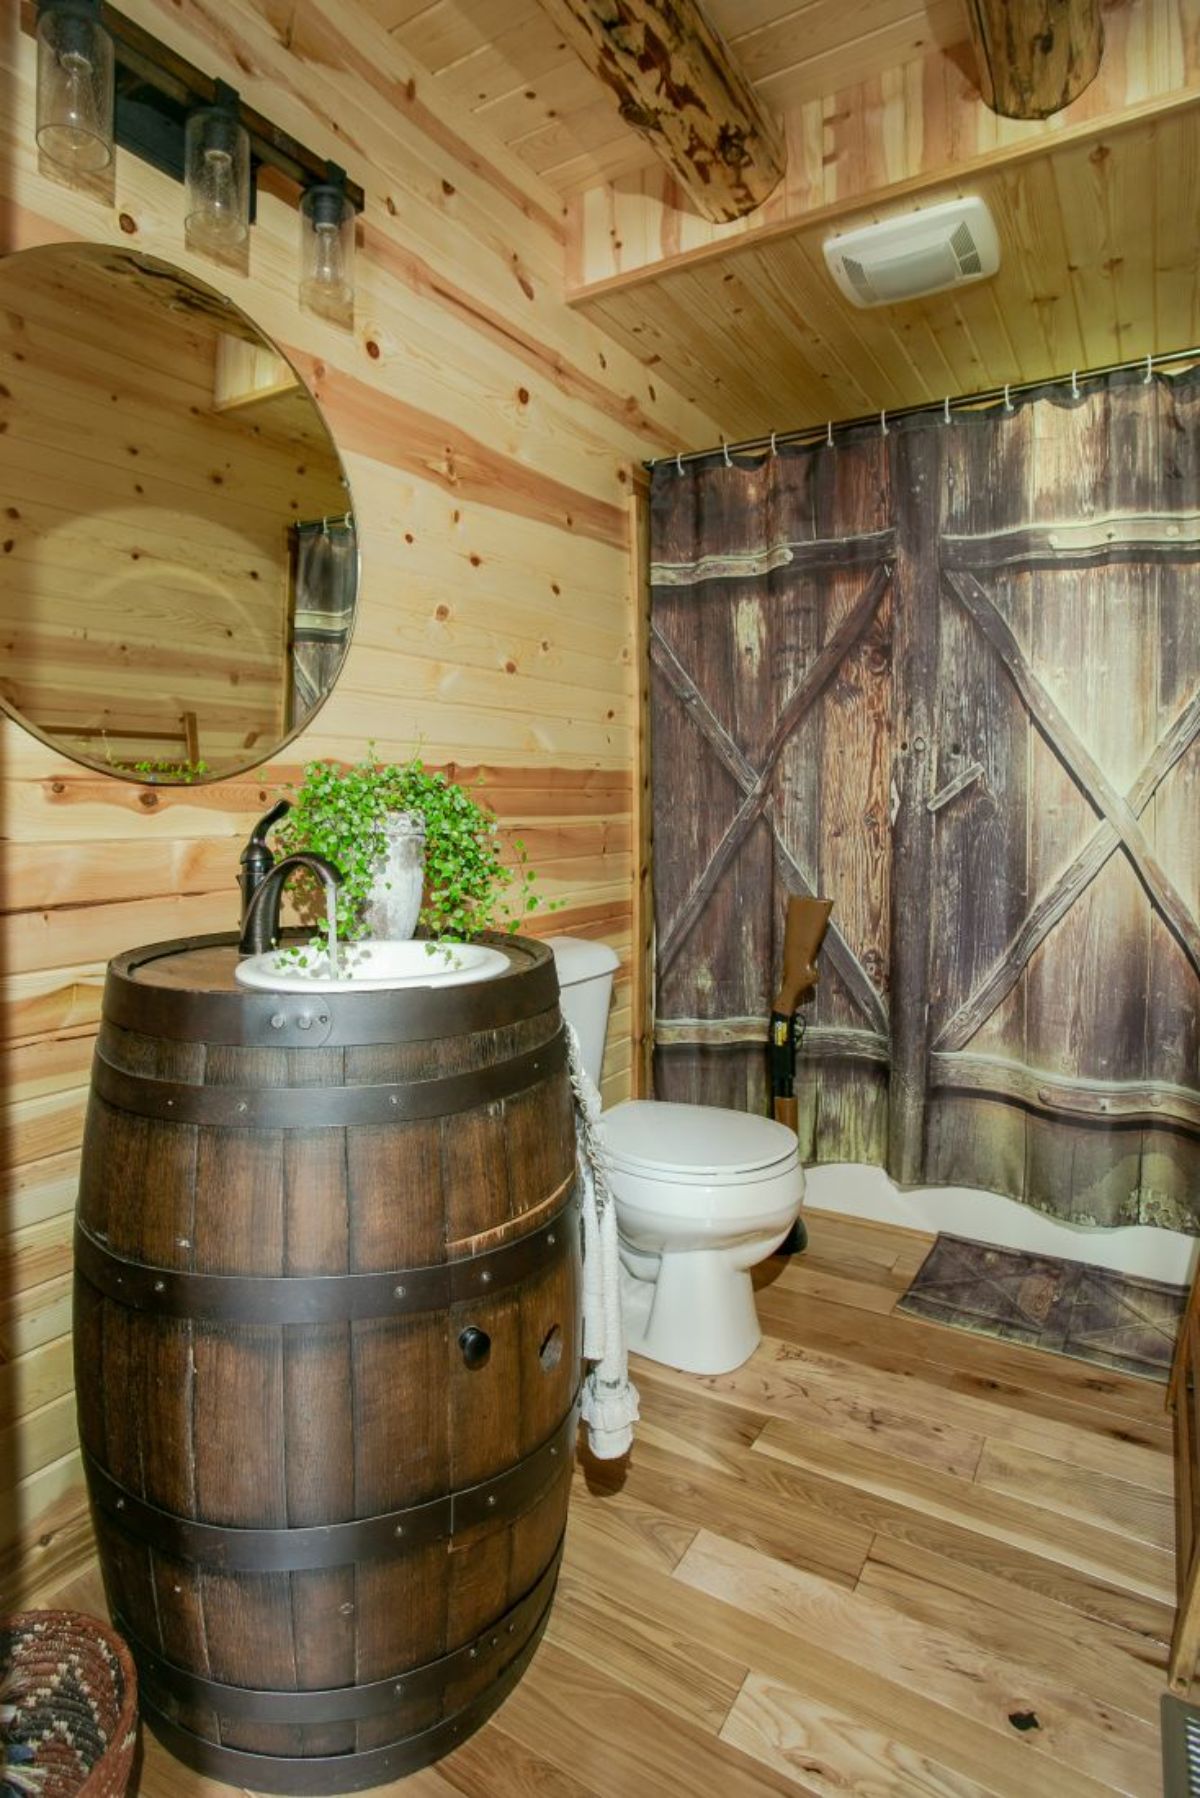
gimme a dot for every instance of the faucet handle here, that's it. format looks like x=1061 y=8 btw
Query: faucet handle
x=269 y=820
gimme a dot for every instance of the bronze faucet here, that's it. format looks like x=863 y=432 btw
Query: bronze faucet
x=258 y=858
x=260 y=925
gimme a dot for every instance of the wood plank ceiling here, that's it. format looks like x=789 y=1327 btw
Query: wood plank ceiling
x=1097 y=229
x=1098 y=264
x=506 y=63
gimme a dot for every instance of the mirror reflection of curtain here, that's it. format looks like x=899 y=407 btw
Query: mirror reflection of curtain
x=324 y=582
x=949 y=677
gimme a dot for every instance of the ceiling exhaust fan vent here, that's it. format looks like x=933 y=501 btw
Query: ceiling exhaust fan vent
x=922 y=252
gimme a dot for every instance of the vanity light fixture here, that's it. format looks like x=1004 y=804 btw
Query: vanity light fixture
x=327 y=244
x=103 y=79
x=217 y=174
x=75 y=86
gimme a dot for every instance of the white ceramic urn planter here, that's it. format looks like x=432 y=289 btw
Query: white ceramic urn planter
x=395 y=902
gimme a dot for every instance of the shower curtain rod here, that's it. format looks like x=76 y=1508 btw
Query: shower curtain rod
x=963 y=403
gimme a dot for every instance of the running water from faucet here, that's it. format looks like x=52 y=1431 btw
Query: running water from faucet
x=331 y=929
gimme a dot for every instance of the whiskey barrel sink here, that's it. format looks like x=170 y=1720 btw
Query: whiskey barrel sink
x=327 y=1355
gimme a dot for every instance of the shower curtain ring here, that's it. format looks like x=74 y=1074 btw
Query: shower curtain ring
x=347 y=520
x=725 y=453
x=1075 y=383
x=946 y=410
x=1149 y=375
x=1008 y=405
x=829 y=435
x=883 y=428
x=774 y=451
x=678 y=461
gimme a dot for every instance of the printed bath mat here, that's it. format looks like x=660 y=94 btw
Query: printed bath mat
x=1113 y=1319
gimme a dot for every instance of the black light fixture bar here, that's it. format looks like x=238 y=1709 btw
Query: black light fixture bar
x=156 y=89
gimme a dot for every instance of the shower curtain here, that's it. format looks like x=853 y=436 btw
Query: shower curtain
x=946 y=673
x=324 y=581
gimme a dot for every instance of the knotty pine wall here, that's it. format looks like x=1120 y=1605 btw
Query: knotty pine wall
x=488 y=434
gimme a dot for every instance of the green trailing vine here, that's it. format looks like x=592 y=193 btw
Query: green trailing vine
x=178 y=771
x=340 y=812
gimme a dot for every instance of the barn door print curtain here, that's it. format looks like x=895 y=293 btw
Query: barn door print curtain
x=950 y=677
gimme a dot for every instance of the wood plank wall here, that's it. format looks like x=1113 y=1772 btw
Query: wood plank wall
x=489 y=435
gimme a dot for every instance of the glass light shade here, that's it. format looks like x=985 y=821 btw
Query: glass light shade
x=326 y=247
x=217 y=179
x=74 y=88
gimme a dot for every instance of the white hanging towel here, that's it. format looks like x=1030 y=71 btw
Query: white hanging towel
x=610 y=1402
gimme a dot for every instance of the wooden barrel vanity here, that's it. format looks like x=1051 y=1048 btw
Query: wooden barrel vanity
x=327 y=1355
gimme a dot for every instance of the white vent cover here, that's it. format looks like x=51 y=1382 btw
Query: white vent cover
x=922 y=252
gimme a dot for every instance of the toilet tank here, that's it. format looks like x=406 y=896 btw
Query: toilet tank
x=585 y=978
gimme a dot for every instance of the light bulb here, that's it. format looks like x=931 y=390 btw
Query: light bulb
x=75 y=88
x=328 y=269
x=326 y=248
x=218 y=179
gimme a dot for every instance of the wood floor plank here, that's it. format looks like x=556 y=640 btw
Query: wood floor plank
x=1135 y=1566
x=771 y=1385
x=1112 y=1503
x=617 y=1741
x=824 y=1226
x=903 y=1513
x=832 y=1750
x=1136 y=1454
x=1116 y=1666
x=637 y=1529
x=715 y=1436
x=893 y=1710
x=691 y=1679
x=812 y=1316
x=887 y=1345
x=493 y=1764
x=800 y=1283
x=1061 y=1728
x=843 y=1251
x=824 y=1538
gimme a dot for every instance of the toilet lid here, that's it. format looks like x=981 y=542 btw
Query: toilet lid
x=696 y=1140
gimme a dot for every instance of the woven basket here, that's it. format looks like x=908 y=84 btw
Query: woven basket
x=73 y=1683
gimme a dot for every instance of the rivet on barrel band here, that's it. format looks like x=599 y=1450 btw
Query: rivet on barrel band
x=326 y=1107
x=311 y=1776
x=313 y=1298
x=304 y=1549
x=246 y=1020
x=337 y=1704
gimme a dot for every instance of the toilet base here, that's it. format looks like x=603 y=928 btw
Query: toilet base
x=697 y=1313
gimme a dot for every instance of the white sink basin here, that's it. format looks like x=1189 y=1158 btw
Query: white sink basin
x=370 y=967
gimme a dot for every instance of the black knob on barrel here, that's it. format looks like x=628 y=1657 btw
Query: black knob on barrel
x=476 y=1346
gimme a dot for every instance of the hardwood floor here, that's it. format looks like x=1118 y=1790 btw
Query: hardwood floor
x=882 y=1558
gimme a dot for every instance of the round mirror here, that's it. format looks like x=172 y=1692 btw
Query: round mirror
x=180 y=563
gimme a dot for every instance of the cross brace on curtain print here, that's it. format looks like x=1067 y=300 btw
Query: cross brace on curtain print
x=756 y=783
x=1119 y=814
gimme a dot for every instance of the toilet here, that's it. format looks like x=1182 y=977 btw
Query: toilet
x=702 y=1194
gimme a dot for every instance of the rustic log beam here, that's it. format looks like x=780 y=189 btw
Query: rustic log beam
x=1035 y=56
x=678 y=83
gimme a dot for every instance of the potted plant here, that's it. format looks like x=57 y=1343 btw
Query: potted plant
x=373 y=820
